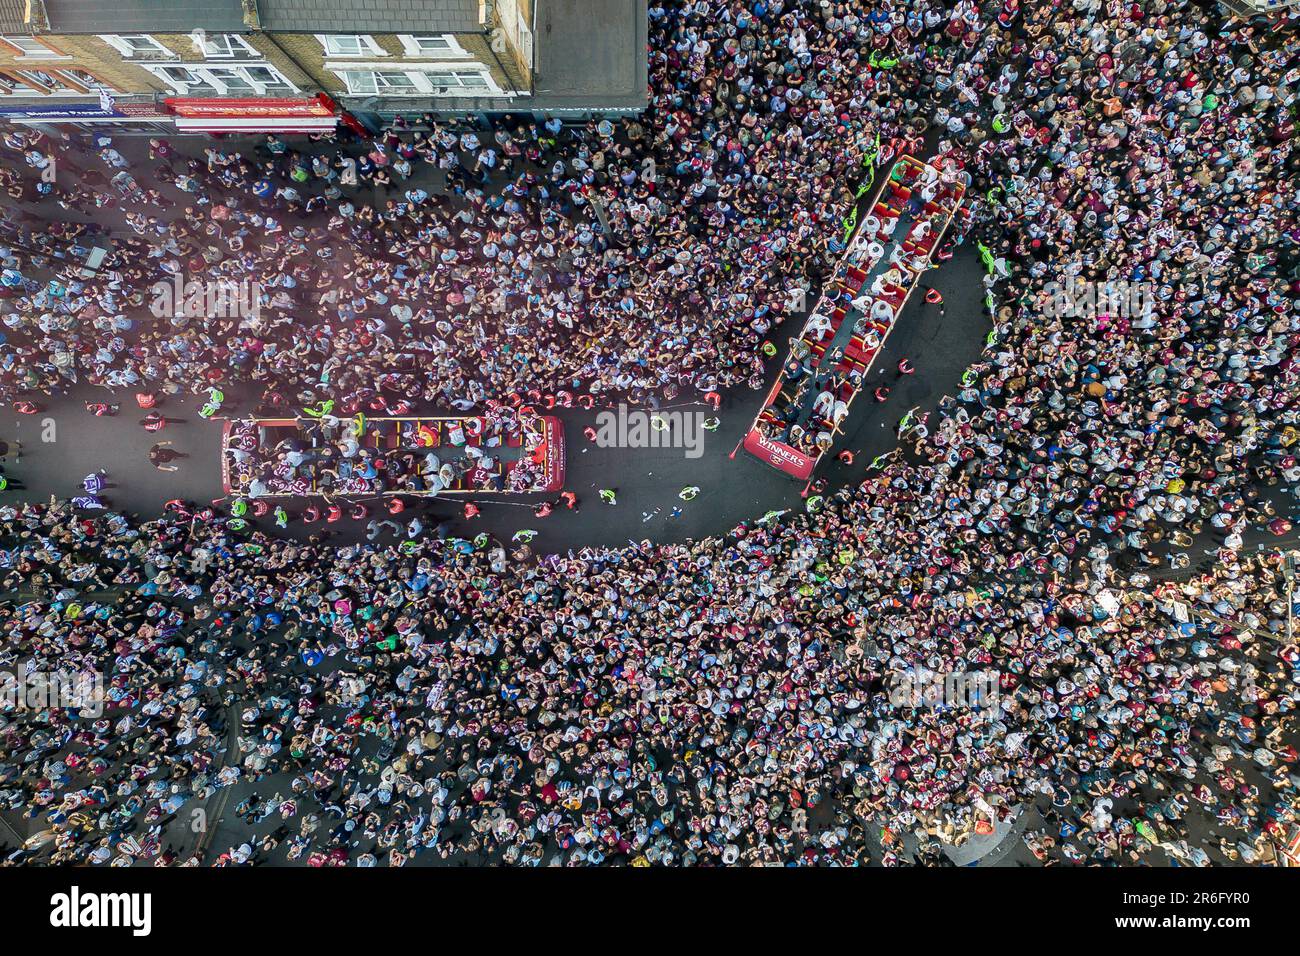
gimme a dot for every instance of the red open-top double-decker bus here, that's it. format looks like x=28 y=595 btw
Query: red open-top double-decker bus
x=510 y=452
x=857 y=310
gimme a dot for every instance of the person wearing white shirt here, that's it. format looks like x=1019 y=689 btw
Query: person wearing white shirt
x=818 y=326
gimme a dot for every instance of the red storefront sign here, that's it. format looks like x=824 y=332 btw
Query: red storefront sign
x=227 y=114
x=140 y=109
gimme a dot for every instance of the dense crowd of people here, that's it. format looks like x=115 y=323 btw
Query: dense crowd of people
x=725 y=700
x=714 y=220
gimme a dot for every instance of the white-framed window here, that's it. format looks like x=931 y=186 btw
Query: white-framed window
x=88 y=81
x=232 y=81
x=349 y=44
x=30 y=48
x=138 y=46
x=13 y=84
x=246 y=79
x=377 y=79
x=469 y=81
x=386 y=82
x=433 y=46
x=223 y=46
x=268 y=79
x=183 y=80
x=48 y=82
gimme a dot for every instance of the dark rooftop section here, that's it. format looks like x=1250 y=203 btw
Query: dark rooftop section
x=589 y=57
x=144 y=16
x=591 y=54
x=283 y=16
x=11 y=17
x=370 y=16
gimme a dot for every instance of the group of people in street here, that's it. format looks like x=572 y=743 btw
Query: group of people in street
x=1083 y=516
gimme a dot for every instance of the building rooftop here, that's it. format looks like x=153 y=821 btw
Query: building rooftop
x=144 y=16
x=591 y=55
x=11 y=17
x=370 y=16
x=278 y=16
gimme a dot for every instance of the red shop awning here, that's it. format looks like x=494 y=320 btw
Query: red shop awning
x=230 y=114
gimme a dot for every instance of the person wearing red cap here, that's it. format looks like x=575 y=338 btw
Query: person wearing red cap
x=471 y=510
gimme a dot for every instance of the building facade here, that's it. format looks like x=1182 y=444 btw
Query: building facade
x=208 y=65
